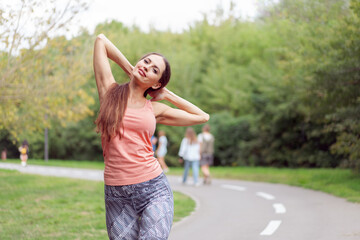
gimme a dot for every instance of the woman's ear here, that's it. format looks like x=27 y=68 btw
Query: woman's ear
x=156 y=86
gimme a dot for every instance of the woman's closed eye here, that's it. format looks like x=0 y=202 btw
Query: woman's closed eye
x=155 y=68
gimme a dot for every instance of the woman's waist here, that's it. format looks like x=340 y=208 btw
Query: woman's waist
x=119 y=173
x=142 y=189
x=127 y=160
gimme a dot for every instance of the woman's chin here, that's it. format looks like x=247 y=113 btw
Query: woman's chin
x=139 y=81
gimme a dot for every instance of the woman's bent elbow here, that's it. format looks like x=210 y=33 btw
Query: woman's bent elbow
x=200 y=119
x=100 y=38
x=206 y=118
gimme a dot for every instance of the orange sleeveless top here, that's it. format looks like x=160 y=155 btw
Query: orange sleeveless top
x=131 y=160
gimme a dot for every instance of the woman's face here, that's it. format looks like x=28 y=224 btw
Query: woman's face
x=149 y=71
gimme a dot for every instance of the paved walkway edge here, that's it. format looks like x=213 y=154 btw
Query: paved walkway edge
x=88 y=174
x=197 y=207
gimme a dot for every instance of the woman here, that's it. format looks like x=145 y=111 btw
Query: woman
x=24 y=151
x=190 y=152
x=138 y=199
x=206 y=140
x=162 y=150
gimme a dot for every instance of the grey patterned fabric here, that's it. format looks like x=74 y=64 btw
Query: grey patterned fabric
x=140 y=211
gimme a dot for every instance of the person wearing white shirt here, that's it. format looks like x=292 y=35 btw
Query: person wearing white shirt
x=162 y=150
x=190 y=152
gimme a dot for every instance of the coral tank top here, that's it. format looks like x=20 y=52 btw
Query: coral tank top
x=130 y=159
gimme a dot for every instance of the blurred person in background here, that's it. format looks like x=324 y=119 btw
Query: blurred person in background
x=206 y=140
x=3 y=154
x=190 y=152
x=162 y=150
x=154 y=141
x=24 y=151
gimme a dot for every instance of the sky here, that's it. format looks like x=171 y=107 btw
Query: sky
x=161 y=14
x=174 y=15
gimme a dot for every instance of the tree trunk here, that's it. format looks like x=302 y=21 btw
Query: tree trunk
x=46 y=143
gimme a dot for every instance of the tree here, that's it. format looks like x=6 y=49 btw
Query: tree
x=40 y=75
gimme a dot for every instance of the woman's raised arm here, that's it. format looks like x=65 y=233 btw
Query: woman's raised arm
x=104 y=49
x=188 y=114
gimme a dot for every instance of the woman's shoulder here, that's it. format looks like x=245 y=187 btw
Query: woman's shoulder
x=155 y=105
x=158 y=107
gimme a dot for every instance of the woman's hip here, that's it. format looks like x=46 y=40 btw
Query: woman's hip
x=141 y=194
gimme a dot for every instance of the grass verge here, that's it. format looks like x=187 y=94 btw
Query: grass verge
x=339 y=182
x=39 y=207
x=61 y=163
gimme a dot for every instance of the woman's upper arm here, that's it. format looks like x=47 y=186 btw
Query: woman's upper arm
x=175 y=117
x=102 y=69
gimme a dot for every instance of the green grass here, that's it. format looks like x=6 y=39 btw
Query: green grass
x=62 y=163
x=38 y=207
x=183 y=206
x=339 y=182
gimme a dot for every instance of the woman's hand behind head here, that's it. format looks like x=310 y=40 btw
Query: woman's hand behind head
x=159 y=95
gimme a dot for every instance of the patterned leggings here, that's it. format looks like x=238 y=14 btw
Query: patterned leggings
x=140 y=211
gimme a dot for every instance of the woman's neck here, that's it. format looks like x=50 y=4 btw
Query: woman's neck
x=136 y=97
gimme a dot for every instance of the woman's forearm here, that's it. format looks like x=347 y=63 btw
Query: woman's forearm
x=185 y=105
x=115 y=55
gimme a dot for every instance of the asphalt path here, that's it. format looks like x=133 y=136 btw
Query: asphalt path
x=232 y=210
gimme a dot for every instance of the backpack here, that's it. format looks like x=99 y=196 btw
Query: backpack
x=208 y=146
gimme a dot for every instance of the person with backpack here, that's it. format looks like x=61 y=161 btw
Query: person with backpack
x=206 y=140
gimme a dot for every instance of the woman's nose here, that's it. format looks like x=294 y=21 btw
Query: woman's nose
x=145 y=69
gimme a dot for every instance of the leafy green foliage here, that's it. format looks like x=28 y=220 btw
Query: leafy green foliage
x=282 y=90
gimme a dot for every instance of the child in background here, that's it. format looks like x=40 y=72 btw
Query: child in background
x=24 y=151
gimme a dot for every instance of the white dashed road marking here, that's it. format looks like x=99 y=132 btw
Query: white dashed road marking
x=271 y=228
x=233 y=187
x=265 y=195
x=279 y=208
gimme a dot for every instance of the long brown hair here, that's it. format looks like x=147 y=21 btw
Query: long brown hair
x=112 y=109
x=190 y=134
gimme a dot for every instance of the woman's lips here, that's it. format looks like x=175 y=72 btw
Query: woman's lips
x=142 y=73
